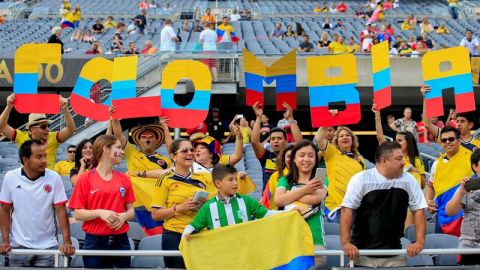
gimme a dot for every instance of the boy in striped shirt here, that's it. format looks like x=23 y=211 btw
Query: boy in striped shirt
x=228 y=207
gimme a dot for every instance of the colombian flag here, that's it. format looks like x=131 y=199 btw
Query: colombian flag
x=259 y=244
x=446 y=181
x=226 y=30
x=68 y=20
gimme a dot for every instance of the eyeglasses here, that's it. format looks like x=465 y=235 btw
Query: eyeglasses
x=71 y=151
x=186 y=150
x=449 y=139
x=147 y=136
x=42 y=126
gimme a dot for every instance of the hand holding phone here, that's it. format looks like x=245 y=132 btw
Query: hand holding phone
x=200 y=194
x=472 y=184
x=320 y=175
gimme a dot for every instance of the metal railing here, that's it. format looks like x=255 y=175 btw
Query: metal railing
x=176 y=253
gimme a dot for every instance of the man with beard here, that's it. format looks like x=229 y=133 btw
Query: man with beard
x=379 y=197
x=39 y=129
x=145 y=166
x=278 y=140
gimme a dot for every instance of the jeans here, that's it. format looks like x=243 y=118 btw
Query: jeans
x=453 y=11
x=171 y=241
x=31 y=260
x=109 y=242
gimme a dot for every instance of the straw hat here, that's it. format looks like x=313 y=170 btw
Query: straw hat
x=36 y=118
x=155 y=128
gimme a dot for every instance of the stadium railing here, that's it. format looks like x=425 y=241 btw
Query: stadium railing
x=176 y=253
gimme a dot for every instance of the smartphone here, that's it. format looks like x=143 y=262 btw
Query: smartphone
x=239 y=116
x=473 y=184
x=320 y=174
x=200 y=194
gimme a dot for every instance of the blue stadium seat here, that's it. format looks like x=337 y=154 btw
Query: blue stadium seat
x=332 y=242
x=149 y=243
x=442 y=241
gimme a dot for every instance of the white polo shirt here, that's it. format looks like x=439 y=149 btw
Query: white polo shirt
x=33 y=204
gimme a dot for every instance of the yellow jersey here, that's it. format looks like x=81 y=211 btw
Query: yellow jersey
x=51 y=146
x=272 y=187
x=340 y=168
x=418 y=165
x=138 y=161
x=63 y=167
x=338 y=48
x=173 y=189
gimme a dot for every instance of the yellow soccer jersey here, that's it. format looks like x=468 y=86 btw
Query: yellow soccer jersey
x=64 y=167
x=52 y=145
x=173 y=189
x=340 y=168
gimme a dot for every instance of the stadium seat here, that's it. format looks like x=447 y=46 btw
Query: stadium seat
x=420 y=260
x=77 y=232
x=149 y=243
x=331 y=228
x=135 y=232
x=442 y=241
x=332 y=242
x=410 y=231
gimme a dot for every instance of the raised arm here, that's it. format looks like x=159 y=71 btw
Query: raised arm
x=426 y=120
x=257 y=146
x=378 y=124
x=5 y=128
x=69 y=128
x=296 y=133
x=166 y=132
x=320 y=138
x=238 y=153
x=117 y=128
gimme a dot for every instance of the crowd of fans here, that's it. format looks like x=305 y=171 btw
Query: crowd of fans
x=373 y=206
x=196 y=176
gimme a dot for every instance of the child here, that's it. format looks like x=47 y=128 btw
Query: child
x=469 y=202
x=229 y=207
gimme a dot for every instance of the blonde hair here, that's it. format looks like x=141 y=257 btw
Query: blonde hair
x=354 y=147
x=55 y=29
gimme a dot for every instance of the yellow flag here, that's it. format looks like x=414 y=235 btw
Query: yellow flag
x=280 y=240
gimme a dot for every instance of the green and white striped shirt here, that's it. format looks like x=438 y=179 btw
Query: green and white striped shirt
x=218 y=212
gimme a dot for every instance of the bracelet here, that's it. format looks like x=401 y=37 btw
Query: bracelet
x=174 y=210
x=144 y=174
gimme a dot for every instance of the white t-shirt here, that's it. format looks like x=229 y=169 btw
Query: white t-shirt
x=166 y=42
x=209 y=38
x=370 y=182
x=235 y=17
x=33 y=202
x=470 y=45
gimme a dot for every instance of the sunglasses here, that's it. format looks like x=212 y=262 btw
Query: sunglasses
x=147 y=136
x=71 y=151
x=186 y=150
x=449 y=139
x=42 y=126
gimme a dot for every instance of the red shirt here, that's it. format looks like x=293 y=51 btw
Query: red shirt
x=421 y=132
x=342 y=8
x=93 y=192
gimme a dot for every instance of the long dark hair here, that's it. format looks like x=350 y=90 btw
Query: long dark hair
x=78 y=152
x=412 y=149
x=299 y=29
x=281 y=159
x=293 y=174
